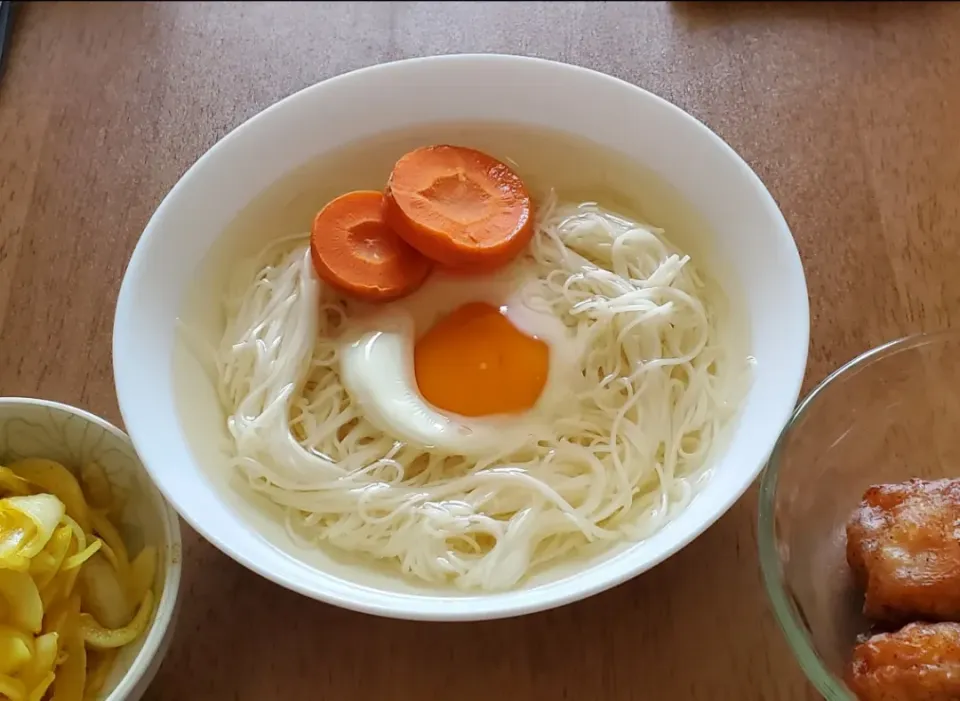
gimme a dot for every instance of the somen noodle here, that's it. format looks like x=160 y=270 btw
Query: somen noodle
x=623 y=458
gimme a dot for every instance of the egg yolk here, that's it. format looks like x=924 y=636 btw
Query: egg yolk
x=474 y=362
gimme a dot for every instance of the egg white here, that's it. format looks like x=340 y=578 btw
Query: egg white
x=377 y=369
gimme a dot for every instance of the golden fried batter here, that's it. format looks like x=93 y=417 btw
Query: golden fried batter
x=920 y=662
x=903 y=544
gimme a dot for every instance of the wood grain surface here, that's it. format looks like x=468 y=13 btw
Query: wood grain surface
x=850 y=114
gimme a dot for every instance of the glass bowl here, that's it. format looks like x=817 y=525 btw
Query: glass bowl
x=891 y=414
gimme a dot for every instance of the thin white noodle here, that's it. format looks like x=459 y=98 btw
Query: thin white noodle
x=624 y=459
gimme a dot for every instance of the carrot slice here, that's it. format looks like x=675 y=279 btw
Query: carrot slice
x=355 y=251
x=459 y=207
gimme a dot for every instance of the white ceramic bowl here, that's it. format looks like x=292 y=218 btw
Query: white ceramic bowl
x=31 y=428
x=171 y=412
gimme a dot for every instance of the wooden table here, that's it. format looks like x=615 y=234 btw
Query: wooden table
x=850 y=114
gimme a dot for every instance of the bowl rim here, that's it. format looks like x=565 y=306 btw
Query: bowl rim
x=477 y=607
x=166 y=606
x=785 y=612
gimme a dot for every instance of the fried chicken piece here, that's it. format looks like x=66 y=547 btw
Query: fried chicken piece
x=920 y=662
x=903 y=545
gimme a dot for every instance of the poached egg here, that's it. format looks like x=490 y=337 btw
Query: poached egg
x=464 y=366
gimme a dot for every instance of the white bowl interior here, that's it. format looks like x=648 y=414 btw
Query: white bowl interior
x=32 y=428
x=270 y=176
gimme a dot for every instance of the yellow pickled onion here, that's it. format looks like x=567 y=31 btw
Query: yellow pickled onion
x=43 y=661
x=108 y=553
x=55 y=618
x=62 y=584
x=13 y=655
x=104 y=594
x=16 y=650
x=26 y=525
x=67 y=584
x=28 y=640
x=68 y=577
x=50 y=594
x=78 y=534
x=40 y=690
x=54 y=478
x=24 y=607
x=102 y=662
x=12 y=689
x=96 y=486
x=41 y=562
x=100 y=638
x=70 y=676
x=55 y=551
x=143 y=570
x=111 y=536
x=81 y=557
x=13 y=484
x=54 y=593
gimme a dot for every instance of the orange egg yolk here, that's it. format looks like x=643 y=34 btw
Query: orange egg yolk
x=474 y=362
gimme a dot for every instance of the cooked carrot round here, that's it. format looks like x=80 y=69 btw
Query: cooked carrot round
x=459 y=207
x=355 y=251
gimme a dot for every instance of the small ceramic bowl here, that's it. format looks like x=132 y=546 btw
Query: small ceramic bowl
x=73 y=437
